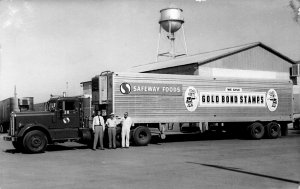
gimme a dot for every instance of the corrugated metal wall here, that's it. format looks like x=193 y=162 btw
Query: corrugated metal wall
x=158 y=108
x=256 y=58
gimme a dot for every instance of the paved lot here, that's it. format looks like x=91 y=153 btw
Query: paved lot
x=180 y=162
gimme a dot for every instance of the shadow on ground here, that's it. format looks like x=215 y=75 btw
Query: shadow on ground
x=238 y=170
x=210 y=136
x=52 y=148
x=58 y=147
x=193 y=137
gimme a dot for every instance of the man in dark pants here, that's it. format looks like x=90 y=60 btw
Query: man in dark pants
x=98 y=129
x=111 y=124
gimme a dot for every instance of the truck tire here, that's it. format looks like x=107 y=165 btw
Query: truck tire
x=18 y=145
x=86 y=137
x=35 y=142
x=296 y=124
x=284 y=129
x=272 y=130
x=256 y=131
x=141 y=136
x=118 y=137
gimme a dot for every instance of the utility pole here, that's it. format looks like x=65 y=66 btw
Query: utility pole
x=67 y=85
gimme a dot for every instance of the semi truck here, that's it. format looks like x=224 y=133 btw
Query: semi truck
x=162 y=104
x=13 y=104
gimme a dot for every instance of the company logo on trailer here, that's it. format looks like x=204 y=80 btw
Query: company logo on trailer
x=161 y=89
x=66 y=120
x=272 y=100
x=125 y=88
x=191 y=99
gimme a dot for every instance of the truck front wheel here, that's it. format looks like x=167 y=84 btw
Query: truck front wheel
x=141 y=136
x=256 y=130
x=35 y=141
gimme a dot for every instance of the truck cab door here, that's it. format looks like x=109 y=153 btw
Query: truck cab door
x=67 y=119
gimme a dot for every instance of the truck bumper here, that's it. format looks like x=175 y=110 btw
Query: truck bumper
x=9 y=138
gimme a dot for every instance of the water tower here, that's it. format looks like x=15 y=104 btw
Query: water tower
x=171 y=20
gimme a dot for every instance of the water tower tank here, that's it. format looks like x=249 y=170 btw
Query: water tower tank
x=171 y=19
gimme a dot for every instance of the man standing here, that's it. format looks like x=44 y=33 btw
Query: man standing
x=98 y=130
x=111 y=124
x=126 y=124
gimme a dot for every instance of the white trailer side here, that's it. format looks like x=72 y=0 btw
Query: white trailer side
x=162 y=106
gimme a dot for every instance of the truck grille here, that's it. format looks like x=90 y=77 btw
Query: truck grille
x=12 y=125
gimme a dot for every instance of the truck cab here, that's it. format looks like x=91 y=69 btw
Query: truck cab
x=62 y=121
x=66 y=119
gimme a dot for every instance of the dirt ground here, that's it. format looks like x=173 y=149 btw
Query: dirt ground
x=182 y=161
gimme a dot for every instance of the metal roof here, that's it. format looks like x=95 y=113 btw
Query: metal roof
x=203 y=58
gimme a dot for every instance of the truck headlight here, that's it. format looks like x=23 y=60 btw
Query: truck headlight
x=20 y=124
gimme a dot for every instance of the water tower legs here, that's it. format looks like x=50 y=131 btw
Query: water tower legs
x=171 y=37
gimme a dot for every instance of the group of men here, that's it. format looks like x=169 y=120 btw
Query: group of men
x=111 y=123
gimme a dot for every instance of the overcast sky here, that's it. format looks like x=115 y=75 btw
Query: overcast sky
x=47 y=43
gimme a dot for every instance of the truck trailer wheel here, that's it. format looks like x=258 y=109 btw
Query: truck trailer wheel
x=272 y=130
x=256 y=130
x=35 y=142
x=141 y=136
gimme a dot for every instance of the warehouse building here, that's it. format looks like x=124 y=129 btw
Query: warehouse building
x=254 y=60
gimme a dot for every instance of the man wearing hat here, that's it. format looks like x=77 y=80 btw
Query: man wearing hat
x=111 y=124
x=98 y=130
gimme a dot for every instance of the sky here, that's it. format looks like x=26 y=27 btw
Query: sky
x=51 y=46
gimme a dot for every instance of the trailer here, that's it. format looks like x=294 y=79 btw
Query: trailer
x=176 y=104
x=13 y=104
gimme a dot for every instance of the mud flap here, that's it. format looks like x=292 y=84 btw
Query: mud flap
x=162 y=129
x=203 y=127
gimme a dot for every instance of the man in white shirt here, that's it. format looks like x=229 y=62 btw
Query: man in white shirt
x=126 y=124
x=111 y=125
x=98 y=130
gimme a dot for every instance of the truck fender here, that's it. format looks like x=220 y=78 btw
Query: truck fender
x=30 y=127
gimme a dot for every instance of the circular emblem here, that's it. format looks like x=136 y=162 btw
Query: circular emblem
x=191 y=99
x=125 y=88
x=272 y=100
x=66 y=120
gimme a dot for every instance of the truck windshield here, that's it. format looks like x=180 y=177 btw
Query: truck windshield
x=51 y=106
